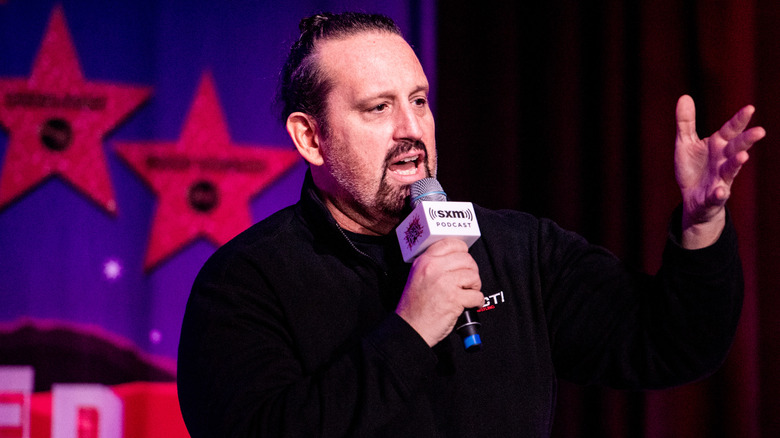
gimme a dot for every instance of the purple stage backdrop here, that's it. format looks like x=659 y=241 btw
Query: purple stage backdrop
x=137 y=137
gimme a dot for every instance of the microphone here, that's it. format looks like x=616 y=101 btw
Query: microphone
x=433 y=219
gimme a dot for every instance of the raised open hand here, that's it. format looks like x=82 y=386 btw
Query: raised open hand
x=706 y=168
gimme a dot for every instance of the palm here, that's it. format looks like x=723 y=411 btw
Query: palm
x=706 y=168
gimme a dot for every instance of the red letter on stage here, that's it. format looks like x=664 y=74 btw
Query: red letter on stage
x=16 y=385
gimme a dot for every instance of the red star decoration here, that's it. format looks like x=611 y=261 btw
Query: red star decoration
x=204 y=182
x=56 y=121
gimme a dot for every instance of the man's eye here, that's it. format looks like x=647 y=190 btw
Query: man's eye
x=421 y=101
x=379 y=108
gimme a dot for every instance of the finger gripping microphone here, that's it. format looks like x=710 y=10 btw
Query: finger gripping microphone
x=433 y=219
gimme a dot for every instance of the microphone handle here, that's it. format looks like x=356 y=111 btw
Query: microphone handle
x=467 y=327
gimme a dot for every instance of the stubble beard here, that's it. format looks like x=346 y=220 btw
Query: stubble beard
x=387 y=204
x=393 y=200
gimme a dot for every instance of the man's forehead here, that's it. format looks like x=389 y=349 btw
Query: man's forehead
x=362 y=47
x=368 y=57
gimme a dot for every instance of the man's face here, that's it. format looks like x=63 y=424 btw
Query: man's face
x=380 y=136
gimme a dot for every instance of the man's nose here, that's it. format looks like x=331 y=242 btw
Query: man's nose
x=408 y=123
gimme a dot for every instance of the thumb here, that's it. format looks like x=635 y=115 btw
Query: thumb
x=686 y=118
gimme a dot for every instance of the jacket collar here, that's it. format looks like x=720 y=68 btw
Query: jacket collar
x=316 y=214
x=326 y=232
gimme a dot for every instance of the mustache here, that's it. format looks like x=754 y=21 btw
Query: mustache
x=405 y=146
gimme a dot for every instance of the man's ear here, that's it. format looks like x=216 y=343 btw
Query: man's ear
x=304 y=133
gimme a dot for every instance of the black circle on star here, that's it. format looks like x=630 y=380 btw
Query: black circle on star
x=203 y=196
x=56 y=134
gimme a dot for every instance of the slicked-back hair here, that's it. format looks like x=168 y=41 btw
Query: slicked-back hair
x=303 y=86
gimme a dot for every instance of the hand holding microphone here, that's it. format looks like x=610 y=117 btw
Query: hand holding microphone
x=444 y=279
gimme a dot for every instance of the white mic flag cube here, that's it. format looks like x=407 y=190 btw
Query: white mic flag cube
x=432 y=221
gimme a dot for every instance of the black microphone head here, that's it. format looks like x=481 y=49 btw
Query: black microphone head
x=426 y=189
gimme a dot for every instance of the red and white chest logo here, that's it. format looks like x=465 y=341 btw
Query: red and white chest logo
x=491 y=301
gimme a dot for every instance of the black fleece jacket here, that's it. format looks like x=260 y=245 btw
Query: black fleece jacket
x=290 y=330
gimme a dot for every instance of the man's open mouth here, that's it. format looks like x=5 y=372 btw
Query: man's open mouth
x=407 y=165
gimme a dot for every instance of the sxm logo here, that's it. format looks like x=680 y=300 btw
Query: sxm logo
x=450 y=214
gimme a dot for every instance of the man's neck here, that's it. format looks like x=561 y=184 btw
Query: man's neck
x=356 y=222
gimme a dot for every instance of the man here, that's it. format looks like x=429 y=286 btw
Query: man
x=310 y=324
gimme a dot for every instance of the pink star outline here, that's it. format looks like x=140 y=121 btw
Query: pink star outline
x=204 y=182
x=56 y=122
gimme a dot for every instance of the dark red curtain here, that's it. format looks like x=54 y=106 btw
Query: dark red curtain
x=566 y=109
